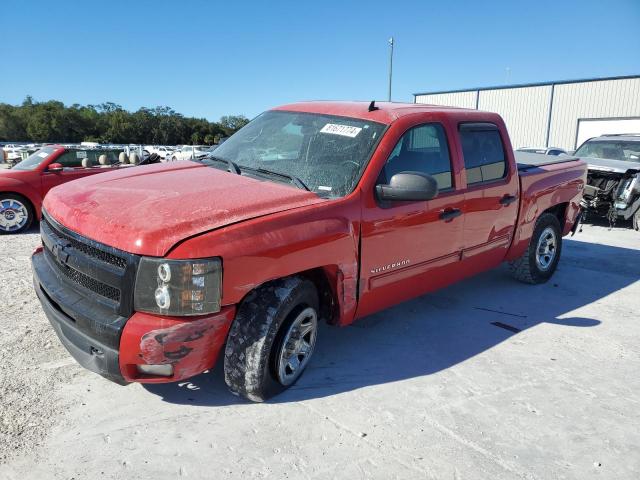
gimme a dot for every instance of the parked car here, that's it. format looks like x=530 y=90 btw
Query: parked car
x=544 y=150
x=189 y=152
x=23 y=187
x=14 y=153
x=613 y=182
x=164 y=152
x=250 y=249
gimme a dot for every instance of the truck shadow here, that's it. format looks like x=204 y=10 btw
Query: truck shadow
x=439 y=330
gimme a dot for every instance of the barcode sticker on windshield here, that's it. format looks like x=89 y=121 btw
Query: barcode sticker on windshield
x=344 y=130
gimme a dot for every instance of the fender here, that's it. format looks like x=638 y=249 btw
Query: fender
x=278 y=245
x=560 y=186
x=13 y=185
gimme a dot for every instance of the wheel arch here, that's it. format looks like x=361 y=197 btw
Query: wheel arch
x=560 y=212
x=30 y=202
x=327 y=281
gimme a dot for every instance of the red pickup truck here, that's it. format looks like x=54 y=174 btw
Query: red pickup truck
x=318 y=211
x=23 y=187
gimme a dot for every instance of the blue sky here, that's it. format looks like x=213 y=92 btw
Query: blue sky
x=208 y=59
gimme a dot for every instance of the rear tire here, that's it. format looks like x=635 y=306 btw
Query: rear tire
x=540 y=260
x=272 y=338
x=16 y=213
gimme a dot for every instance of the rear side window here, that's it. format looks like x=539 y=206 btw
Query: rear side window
x=483 y=151
x=422 y=149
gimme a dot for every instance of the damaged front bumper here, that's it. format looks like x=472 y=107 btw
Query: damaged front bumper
x=113 y=346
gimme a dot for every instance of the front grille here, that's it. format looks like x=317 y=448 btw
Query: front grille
x=102 y=289
x=94 y=270
x=88 y=249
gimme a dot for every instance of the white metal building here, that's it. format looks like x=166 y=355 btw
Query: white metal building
x=554 y=114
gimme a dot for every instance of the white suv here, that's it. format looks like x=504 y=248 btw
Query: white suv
x=188 y=152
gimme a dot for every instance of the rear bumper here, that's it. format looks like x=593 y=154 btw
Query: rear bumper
x=191 y=346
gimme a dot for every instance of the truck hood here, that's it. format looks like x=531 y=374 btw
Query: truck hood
x=604 y=164
x=148 y=209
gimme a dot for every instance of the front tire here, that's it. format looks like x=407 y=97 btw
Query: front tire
x=16 y=213
x=540 y=260
x=636 y=220
x=272 y=338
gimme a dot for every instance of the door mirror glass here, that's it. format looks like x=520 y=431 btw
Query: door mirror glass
x=408 y=187
x=55 y=167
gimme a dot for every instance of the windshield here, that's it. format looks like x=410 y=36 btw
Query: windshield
x=34 y=160
x=326 y=153
x=610 y=149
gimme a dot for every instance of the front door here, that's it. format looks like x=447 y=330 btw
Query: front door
x=71 y=161
x=406 y=246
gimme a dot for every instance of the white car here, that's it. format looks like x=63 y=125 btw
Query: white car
x=188 y=152
x=544 y=150
x=164 y=152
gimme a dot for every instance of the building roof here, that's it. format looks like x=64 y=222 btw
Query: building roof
x=522 y=85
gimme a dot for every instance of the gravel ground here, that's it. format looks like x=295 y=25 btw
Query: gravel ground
x=29 y=354
x=439 y=387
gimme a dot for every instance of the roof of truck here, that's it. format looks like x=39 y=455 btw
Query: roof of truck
x=386 y=112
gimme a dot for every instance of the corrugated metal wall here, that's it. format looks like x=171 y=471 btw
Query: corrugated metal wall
x=458 y=99
x=526 y=109
x=605 y=99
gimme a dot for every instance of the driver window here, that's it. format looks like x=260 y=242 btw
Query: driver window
x=422 y=149
x=71 y=158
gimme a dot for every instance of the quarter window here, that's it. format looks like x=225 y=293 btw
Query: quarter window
x=422 y=149
x=483 y=151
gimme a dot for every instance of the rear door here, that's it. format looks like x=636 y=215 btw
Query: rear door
x=405 y=245
x=491 y=197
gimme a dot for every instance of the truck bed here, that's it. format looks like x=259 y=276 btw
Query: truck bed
x=526 y=160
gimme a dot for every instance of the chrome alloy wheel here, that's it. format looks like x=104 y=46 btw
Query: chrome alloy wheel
x=297 y=346
x=546 y=249
x=13 y=214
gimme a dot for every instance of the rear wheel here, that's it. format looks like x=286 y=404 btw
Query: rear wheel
x=16 y=213
x=272 y=338
x=540 y=260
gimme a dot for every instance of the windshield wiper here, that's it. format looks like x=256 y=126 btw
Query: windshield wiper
x=231 y=165
x=295 y=180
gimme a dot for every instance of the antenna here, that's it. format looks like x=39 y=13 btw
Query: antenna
x=372 y=106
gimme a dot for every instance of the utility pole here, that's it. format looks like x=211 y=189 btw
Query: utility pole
x=390 y=65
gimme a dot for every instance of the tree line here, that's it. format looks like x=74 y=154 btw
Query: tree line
x=52 y=121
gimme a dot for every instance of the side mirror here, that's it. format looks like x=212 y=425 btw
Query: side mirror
x=55 y=167
x=408 y=186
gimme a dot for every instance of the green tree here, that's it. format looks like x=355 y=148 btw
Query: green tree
x=232 y=123
x=52 y=121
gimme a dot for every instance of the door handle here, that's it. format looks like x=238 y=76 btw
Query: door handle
x=507 y=199
x=450 y=214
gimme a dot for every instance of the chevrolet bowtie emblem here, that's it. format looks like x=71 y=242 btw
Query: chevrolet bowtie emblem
x=60 y=253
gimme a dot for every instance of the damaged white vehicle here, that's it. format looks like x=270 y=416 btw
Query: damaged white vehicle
x=613 y=181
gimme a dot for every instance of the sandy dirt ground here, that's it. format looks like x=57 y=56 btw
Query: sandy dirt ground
x=487 y=379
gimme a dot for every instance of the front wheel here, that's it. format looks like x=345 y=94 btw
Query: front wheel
x=272 y=338
x=16 y=213
x=636 y=220
x=540 y=260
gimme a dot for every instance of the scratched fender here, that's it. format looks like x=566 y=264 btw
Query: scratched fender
x=191 y=346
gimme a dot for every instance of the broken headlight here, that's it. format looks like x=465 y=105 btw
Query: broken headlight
x=178 y=287
x=626 y=190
